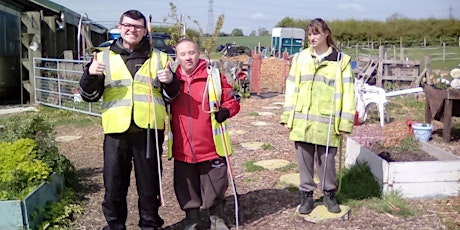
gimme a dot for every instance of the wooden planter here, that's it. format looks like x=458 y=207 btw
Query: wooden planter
x=28 y=213
x=414 y=179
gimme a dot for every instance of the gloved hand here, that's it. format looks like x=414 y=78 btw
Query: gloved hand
x=222 y=115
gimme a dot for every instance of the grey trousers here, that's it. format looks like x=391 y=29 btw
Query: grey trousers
x=305 y=153
x=201 y=184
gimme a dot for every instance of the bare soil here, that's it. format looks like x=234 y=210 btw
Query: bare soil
x=263 y=202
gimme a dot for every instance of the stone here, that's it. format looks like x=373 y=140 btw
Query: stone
x=272 y=164
x=321 y=214
x=259 y=123
x=67 y=138
x=252 y=145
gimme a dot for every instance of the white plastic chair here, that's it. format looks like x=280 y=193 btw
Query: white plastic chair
x=368 y=94
x=374 y=94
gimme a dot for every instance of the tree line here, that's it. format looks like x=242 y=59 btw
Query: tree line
x=428 y=31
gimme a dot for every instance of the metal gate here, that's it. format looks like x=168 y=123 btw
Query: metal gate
x=56 y=85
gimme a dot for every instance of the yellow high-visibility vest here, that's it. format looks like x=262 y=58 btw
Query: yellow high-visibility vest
x=126 y=99
x=220 y=132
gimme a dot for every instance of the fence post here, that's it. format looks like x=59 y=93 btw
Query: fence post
x=444 y=52
x=428 y=69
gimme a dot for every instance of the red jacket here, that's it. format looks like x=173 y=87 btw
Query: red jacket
x=191 y=126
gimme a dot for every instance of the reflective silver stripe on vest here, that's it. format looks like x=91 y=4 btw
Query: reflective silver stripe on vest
x=288 y=108
x=145 y=79
x=145 y=98
x=119 y=83
x=337 y=96
x=310 y=117
x=218 y=130
x=117 y=103
x=348 y=79
x=108 y=74
x=348 y=116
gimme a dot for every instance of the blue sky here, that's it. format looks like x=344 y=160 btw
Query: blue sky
x=250 y=15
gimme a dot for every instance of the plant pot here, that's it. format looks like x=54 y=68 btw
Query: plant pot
x=422 y=132
x=414 y=179
x=27 y=213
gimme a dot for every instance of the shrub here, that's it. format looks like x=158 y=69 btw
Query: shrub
x=20 y=172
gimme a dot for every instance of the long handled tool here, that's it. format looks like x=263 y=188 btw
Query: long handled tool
x=224 y=141
x=149 y=28
x=338 y=72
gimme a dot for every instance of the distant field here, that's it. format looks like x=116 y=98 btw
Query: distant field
x=250 y=41
x=440 y=59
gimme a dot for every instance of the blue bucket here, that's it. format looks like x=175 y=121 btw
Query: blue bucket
x=354 y=65
x=422 y=132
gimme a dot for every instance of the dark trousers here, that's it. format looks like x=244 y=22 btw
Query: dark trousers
x=305 y=153
x=201 y=184
x=120 y=152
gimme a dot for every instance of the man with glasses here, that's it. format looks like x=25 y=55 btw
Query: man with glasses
x=135 y=83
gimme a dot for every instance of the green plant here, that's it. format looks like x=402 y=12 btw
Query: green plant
x=392 y=203
x=251 y=167
x=40 y=129
x=287 y=168
x=255 y=114
x=21 y=172
x=59 y=215
x=357 y=183
x=408 y=144
x=266 y=146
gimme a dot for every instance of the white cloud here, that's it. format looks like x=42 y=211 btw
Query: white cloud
x=351 y=6
x=258 y=16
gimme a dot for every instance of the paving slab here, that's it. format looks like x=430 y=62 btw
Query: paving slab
x=259 y=123
x=67 y=138
x=320 y=214
x=265 y=113
x=252 y=145
x=272 y=164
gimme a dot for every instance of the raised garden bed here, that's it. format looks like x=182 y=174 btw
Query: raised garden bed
x=414 y=179
x=28 y=213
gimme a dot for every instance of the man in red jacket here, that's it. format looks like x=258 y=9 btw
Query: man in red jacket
x=200 y=137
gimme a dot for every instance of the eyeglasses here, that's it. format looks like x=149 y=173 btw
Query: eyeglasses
x=130 y=26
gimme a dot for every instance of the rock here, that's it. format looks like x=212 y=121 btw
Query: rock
x=252 y=145
x=265 y=113
x=67 y=138
x=272 y=164
x=259 y=123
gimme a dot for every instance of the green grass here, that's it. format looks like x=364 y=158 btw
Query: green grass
x=58 y=117
x=288 y=168
x=250 y=41
x=436 y=53
x=251 y=167
x=359 y=188
x=266 y=146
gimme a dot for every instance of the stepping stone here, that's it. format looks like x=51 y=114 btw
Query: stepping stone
x=259 y=123
x=252 y=145
x=290 y=180
x=293 y=179
x=271 y=107
x=320 y=214
x=67 y=138
x=279 y=103
x=272 y=164
x=265 y=113
x=239 y=132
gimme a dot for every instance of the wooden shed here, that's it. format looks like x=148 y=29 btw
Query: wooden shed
x=39 y=28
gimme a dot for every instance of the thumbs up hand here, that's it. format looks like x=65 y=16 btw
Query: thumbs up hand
x=96 y=68
x=165 y=75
